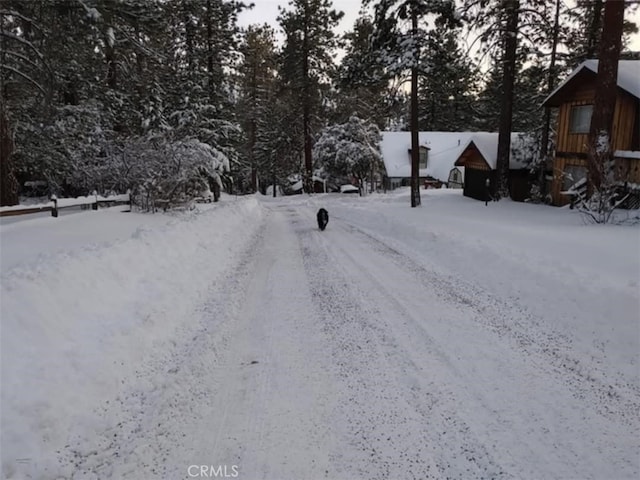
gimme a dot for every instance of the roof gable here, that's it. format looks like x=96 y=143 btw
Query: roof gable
x=487 y=145
x=628 y=79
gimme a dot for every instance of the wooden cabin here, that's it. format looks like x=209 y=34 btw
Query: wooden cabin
x=479 y=159
x=575 y=98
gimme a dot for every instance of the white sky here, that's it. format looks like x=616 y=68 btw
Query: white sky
x=266 y=11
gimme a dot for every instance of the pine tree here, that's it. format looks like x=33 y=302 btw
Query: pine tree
x=307 y=63
x=257 y=90
x=23 y=84
x=362 y=87
x=517 y=30
x=446 y=84
x=487 y=107
x=119 y=80
x=399 y=51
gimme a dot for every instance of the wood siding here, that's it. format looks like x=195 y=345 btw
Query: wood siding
x=624 y=120
x=559 y=166
x=626 y=170
x=475 y=183
x=572 y=148
x=472 y=158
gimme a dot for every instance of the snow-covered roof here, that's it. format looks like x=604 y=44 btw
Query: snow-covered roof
x=628 y=76
x=487 y=145
x=444 y=149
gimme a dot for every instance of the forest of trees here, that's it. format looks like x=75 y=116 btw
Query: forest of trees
x=165 y=98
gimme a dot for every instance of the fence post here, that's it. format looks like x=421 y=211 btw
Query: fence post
x=54 y=211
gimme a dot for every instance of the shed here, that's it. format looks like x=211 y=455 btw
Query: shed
x=479 y=159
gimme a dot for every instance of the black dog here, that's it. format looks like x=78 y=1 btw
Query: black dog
x=323 y=218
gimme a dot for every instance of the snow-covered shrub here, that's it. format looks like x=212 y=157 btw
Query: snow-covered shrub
x=164 y=174
x=603 y=191
x=350 y=149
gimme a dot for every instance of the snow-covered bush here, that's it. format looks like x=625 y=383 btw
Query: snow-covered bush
x=163 y=174
x=603 y=191
x=350 y=149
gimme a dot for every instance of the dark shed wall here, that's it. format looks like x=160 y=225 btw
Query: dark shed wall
x=519 y=185
x=475 y=185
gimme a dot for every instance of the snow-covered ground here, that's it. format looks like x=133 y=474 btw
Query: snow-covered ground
x=454 y=340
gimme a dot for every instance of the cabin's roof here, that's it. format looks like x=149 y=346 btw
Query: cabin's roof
x=628 y=79
x=487 y=145
x=444 y=149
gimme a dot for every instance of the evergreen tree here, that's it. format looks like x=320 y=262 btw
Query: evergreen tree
x=363 y=88
x=116 y=76
x=22 y=85
x=307 y=63
x=257 y=90
x=487 y=108
x=446 y=85
x=515 y=30
x=399 y=51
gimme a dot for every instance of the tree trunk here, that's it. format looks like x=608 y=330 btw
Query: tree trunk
x=415 y=145
x=253 y=127
x=188 y=36
x=511 y=9
x=606 y=88
x=274 y=179
x=212 y=82
x=593 y=32
x=8 y=182
x=551 y=78
x=306 y=107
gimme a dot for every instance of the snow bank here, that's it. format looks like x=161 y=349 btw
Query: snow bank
x=86 y=318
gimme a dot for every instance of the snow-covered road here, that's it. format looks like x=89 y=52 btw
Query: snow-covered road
x=351 y=354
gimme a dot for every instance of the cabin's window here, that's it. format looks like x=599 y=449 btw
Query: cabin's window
x=424 y=156
x=580 y=119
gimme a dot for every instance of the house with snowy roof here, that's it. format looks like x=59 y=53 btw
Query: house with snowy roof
x=438 y=153
x=574 y=98
x=479 y=157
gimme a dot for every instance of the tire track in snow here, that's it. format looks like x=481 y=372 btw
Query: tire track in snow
x=615 y=399
x=612 y=406
x=278 y=420
x=150 y=424
x=392 y=404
